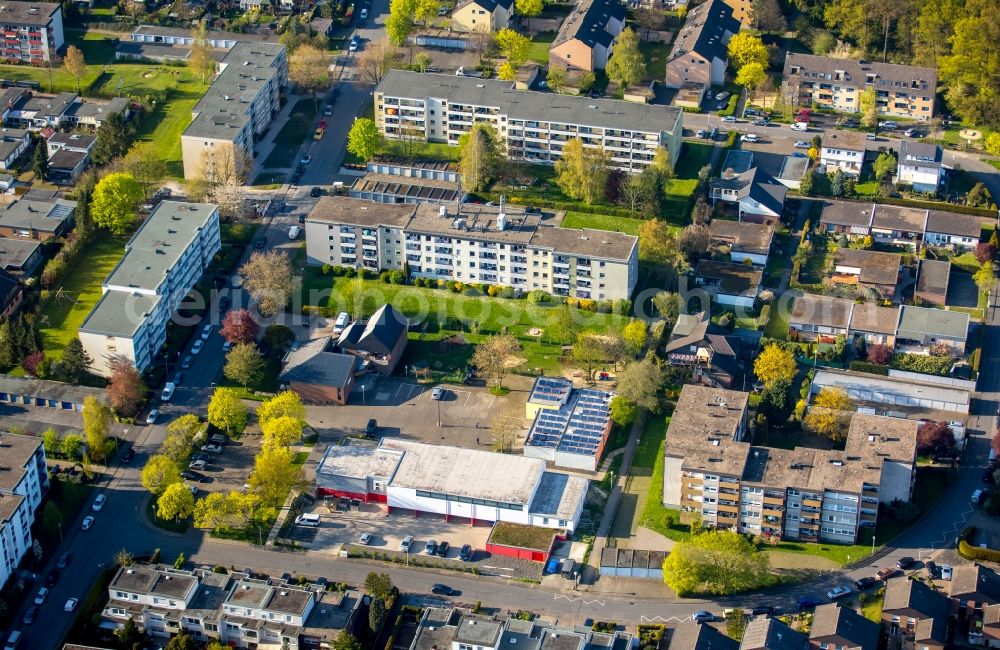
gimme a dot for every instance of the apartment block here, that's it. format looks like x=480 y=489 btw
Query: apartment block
x=532 y=126
x=240 y=610
x=162 y=263
x=32 y=31
x=237 y=108
x=902 y=90
x=800 y=494
x=24 y=480
x=499 y=245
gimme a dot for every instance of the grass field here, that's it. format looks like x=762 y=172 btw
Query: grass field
x=63 y=314
x=539 y=49
x=292 y=134
x=777 y=325
x=602 y=222
x=655 y=55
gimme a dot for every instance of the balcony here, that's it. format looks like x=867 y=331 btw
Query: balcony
x=774 y=501
x=811 y=503
x=726 y=485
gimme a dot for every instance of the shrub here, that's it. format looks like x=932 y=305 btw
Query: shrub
x=871 y=368
x=325 y=269
x=922 y=364
x=879 y=354
x=538 y=297
x=348 y=272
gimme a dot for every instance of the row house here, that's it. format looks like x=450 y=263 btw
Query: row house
x=903 y=226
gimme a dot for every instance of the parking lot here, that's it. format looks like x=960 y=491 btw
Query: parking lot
x=405 y=409
x=231 y=469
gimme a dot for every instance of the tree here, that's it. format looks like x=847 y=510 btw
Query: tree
x=224 y=164
x=364 y=139
x=529 y=8
x=494 y=358
x=376 y=615
x=751 y=76
x=71 y=444
x=992 y=144
x=985 y=252
x=808 y=184
x=744 y=48
x=399 y=22
x=96 y=425
x=588 y=353
x=971 y=72
x=879 y=353
x=830 y=413
x=766 y=15
x=282 y=431
x=868 y=105
x=51 y=442
x=513 y=46
x=175 y=503
x=504 y=428
x=657 y=243
x=128 y=635
x=985 y=276
x=694 y=241
x=182 y=641
x=144 y=163
x=75 y=65
x=775 y=402
x=239 y=326
x=556 y=79
x=377 y=59
x=159 y=472
x=478 y=156
x=774 y=363
x=200 y=60
x=667 y=305
x=286 y=404
x=634 y=333
x=73 y=362
x=635 y=192
x=623 y=412
x=936 y=439
x=884 y=166
x=344 y=641
x=837 y=182
x=226 y=411
x=582 y=171
x=113 y=139
x=212 y=511
x=626 y=66
x=379 y=586
x=309 y=69
x=114 y=201
x=641 y=383
x=40 y=160
x=736 y=623
x=717 y=562
x=126 y=388
x=649 y=19
x=230 y=197
x=273 y=474
x=978 y=196
x=267 y=277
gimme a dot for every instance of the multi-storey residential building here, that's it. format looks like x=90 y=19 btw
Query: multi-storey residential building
x=532 y=126
x=23 y=481
x=698 y=57
x=236 y=109
x=902 y=90
x=163 y=261
x=498 y=245
x=806 y=494
x=587 y=36
x=32 y=31
x=844 y=151
x=239 y=610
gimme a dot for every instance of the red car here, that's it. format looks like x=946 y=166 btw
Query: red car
x=322 y=124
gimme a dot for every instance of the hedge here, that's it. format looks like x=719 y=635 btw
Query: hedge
x=869 y=367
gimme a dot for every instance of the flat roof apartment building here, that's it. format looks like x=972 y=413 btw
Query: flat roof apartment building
x=238 y=107
x=163 y=261
x=24 y=479
x=498 y=245
x=532 y=126
x=802 y=494
x=32 y=31
x=903 y=90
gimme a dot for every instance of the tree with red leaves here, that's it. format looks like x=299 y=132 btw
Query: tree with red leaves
x=879 y=354
x=33 y=362
x=126 y=389
x=239 y=326
x=985 y=252
x=935 y=439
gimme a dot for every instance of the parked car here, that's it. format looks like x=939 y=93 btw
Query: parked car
x=888 y=125
x=700 y=133
x=43 y=593
x=99 y=502
x=749 y=137
x=442 y=549
x=87 y=522
x=364 y=14
x=465 y=554
x=721 y=96
x=808 y=602
x=437 y=393
x=444 y=590
x=871 y=137
x=316 y=191
x=30 y=615
x=839 y=592
x=218 y=439
x=702 y=616
x=193 y=476
x=168 y=391
x=64 y=560
x=802 y=144
x=904 y=562
x=196 y=348
x=365 y=539
x=293 y=232
x=933 y=570
x=431 y=547
x=761 y=122
x=865 y=583
x=186 y=363
x=763 y=610
x=212 y=448
x=197 y=464
x=227 y=346
x=53 y=578
x=371 y=428
x=353 y=47
x=259 y=244
x=729 y=119
x=911 y=133
x=310 y=519
x=405 y=545
x=946 y=570
x=71 y=604
x=192 y=489
x=153 y=414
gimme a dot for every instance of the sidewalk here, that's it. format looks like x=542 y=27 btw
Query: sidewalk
x=265 y=146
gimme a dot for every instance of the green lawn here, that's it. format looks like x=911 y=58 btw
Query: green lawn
x=63 y=314
x=602 y=222
x=298 y=127
x=871 y=605
x=776 y=260
x=539 y=49
x=994 y=163
x=653 y=434
x=655 y=56
x=777 y=325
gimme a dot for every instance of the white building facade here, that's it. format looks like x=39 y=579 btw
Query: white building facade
x=24 y=480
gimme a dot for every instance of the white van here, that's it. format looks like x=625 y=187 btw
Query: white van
x=341 y=322
x=293 y=232
x=800 y=126
x=308 y=519
x=977 y=496
x=12 y=640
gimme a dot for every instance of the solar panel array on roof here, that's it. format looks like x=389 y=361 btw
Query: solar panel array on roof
x=550 y=390
x=577 y=428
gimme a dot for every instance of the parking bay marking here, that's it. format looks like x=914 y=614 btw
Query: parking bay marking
x=575 y=598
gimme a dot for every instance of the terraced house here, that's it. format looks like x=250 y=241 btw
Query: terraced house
x=711 y=468
x=498 y=245
x=532 y=126
x=902 y=90
x=163 y=261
